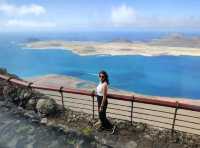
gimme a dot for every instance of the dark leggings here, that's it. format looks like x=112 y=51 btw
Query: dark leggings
x=102 y=114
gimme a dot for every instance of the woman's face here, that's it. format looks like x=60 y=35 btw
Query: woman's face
x=101 y=77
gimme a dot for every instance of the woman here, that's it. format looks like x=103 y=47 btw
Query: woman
x=102 y=100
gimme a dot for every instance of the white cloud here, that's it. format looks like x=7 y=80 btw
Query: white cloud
x=32 y=9
x=126 y=16
x=173 y=22
x=123 y=15
x=29 y=24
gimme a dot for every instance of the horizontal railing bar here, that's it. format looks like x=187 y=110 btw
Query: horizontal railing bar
x=186 y=132
x=120 y=119
x=188 y=116
x=178 y=125
x=78 y=107
x=77 y=103
x=78 y=99
x=119 y=104
x=152 y=115
x=187 y=121
x=151 y=120
x=64 y=90
x=52 y=95
x=112 y=113
x=153 y=110
x=120 y=97
x=155 y=102
x=119 y=109
x=118 y=114
x=189 y=107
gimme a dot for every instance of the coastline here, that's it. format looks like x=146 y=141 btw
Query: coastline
x=83 y=48
x=76 y=83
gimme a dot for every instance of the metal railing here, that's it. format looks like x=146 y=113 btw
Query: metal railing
x=173 y=115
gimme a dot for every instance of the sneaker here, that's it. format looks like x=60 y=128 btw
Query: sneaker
x=113 y=129
x=97 y=125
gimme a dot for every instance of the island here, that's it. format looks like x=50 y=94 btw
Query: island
x=173 y=45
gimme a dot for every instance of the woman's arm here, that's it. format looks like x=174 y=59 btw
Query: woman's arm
x=105 y=89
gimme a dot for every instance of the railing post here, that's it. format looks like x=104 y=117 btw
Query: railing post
x=29 y=85
x=93 y=92
x=9 y=80
x=174 y=119
x=30 y=88
x=61 y=93
x=132 y=110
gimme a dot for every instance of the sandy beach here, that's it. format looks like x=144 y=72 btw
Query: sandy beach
x=115 y=105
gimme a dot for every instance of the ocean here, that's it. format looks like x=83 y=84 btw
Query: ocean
x=170 y=76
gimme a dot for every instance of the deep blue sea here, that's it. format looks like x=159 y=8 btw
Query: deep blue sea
x=172 y=76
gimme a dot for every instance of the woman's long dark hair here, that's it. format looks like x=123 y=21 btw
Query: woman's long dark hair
x=106 y=76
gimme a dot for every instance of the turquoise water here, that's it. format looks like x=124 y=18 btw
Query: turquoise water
x=172 y=76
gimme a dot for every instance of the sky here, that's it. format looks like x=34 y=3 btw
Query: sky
x=77 y=15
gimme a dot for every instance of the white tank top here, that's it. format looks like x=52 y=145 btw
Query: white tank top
x=100 y=89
